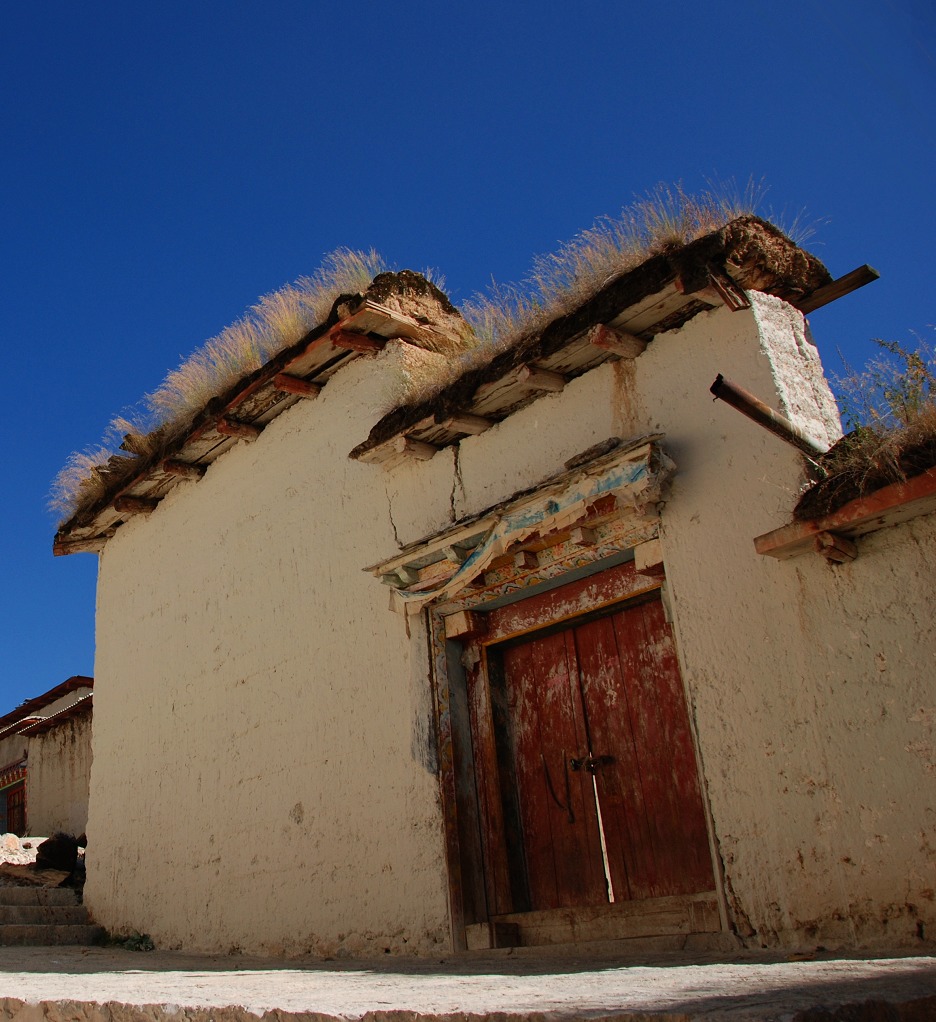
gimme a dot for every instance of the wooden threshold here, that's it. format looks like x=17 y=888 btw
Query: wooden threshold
x=655 y=917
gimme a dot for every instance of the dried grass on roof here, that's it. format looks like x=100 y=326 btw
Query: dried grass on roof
x=890 y=406
x=276 y=321
x=666 y=218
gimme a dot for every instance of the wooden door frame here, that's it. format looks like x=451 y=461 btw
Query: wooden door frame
x=467 y=899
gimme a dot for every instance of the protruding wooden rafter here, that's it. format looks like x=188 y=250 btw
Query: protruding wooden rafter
x=540 y=379
x=227 y=426
x=182 y=469
x=296 y=385
x=129 y=505
x=465 y=624
x=341 y=338
x=414 y=448
x=835 y=548
x=838 y=288
x=618 y=342
x=583 y=536
x=526 y=560
x=465 y=422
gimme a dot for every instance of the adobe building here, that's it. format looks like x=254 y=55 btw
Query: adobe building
x=45 y=752
x=502 y=664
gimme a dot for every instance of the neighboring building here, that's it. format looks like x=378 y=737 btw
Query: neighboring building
x=598 y=712
x=45 y=749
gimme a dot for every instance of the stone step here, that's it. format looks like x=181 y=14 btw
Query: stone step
x=60 y=914
x=38 y=896
x=45 y=935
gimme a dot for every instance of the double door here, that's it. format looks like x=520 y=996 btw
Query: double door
x=587 y=782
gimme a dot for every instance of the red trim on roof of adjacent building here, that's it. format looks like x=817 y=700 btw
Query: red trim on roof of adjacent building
x=28 y=708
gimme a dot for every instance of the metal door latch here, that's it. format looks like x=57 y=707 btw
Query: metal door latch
x=591 y=763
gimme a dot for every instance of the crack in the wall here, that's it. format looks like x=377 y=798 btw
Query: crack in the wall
x=396 y=535
x=457 y=482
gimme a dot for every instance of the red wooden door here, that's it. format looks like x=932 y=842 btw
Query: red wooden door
x=588 y=781
x=561 y=842
x=649 y=793
x=16 y=810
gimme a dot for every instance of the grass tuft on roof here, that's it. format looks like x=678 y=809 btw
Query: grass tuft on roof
x=272 y=324
x=503 y=317
x=890 y=408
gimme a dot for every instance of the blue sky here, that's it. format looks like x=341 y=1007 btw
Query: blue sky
x=164 y=165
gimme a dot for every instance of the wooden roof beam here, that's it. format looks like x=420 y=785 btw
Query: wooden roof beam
x=235 y=428
x=296 y=385
x=465 y=422
x=837 y=289
x=618 y=342
x=129 y=505
x=535 y=378
x=351 y=341
x=182 y=469
x=417 y=449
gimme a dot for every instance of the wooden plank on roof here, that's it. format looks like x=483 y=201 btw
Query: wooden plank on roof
x=890 y=505
x=437 y=434
x=317 y=357
x=205 y=447
x=575 y=358
x=837 y=289
x=499 y=397
x=641 y=318
x=79 y=545
x=371 y=317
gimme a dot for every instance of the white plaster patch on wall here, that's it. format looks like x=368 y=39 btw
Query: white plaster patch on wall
x=805 y=396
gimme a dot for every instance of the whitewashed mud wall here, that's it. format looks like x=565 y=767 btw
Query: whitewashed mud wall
x=274 y=788
x=59 y=777
x=15 y=746
x=264 y=773
x=812 y=685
